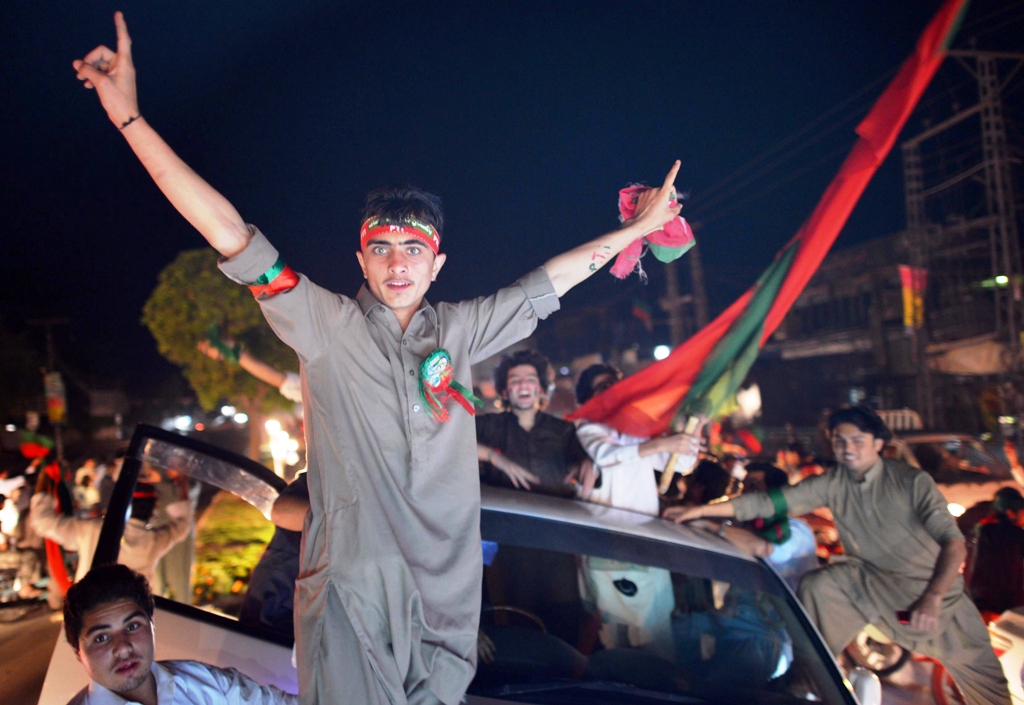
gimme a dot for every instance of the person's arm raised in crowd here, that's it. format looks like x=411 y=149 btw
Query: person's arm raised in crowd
x=253 y=365
x=112 y=75
x=653 y=211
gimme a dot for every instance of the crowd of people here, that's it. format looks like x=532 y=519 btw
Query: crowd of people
x=390 y=613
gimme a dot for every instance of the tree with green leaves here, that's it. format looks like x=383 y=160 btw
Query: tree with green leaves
x=192 y=296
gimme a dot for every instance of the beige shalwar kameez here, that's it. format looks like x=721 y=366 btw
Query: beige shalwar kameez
x=388 y=597
x=893 y=523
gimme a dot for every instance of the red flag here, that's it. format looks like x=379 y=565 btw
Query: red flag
x=716 y=359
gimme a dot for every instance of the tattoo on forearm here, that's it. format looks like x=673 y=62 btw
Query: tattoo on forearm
x=599 y=256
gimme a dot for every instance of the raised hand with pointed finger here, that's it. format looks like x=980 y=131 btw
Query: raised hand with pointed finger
x=112 y=74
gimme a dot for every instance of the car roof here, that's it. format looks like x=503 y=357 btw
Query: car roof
x=599 y=516
x=935 y=437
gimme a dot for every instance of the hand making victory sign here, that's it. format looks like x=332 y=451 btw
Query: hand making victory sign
x=112 y=74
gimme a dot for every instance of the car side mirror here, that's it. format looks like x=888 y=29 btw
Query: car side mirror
x=866 y=686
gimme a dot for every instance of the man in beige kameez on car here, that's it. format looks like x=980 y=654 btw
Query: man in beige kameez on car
x=388 y=597
x=903 y=555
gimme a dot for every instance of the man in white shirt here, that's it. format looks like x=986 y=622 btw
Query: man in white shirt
x=625 y=464
x=108 y=620
x=635 y=602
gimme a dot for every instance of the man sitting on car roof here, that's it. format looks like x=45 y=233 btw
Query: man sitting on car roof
x=901 y=572
x=108 y=620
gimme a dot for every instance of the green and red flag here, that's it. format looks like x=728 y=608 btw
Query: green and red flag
x=703 y=373
x=642 y=312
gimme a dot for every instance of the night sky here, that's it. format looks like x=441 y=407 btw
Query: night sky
x=525 y=117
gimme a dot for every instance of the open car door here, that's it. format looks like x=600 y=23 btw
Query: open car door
x=182 y=630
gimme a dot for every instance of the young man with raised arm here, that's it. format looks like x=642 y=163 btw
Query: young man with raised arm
x=388 y=597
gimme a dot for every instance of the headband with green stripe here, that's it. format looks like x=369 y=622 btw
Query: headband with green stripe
x=418 y=229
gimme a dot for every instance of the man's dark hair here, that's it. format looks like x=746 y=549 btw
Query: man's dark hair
x=863 y=418
x=585 y=385
x=397 y=205
x=522 y=357
x=1008 y=499
x=712 y=477
x=101 y=586
x=773 y=476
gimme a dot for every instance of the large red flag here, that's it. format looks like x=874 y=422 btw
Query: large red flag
x=705 y=371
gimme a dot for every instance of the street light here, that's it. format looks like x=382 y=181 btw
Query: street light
x=283 y=448
x=661 y=352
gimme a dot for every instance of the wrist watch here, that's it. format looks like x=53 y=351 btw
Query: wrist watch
x=722 y=527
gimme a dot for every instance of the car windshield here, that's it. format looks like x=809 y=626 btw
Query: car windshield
x=577 y=614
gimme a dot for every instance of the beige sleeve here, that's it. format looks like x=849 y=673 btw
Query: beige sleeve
x=305 y=317
x=933 y=510
x=808 y=494
x=511 y=314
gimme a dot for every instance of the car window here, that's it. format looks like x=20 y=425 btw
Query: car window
x=954 y=461
x=577 y=614
x=230 y=498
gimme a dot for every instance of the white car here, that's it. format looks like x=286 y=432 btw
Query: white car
x=581 y=604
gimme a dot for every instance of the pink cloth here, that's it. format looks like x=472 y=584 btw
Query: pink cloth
x=676 y=233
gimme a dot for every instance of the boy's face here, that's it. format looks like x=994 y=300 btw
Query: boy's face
x=398 y=270
x=116 y=647
x=523 y=389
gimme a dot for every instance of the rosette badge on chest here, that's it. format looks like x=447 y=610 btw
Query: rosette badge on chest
x=438 y=385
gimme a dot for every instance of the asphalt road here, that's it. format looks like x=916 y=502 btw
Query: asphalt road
x=25 y=648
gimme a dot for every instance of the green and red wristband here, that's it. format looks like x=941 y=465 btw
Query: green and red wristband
x=276 y=280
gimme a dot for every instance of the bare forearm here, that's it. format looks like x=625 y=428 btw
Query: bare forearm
x=261 y=370
x=651 y=447
x=947 y=568
x=570 y=268
x=484 y=453
x=723 y=510
x=201 y=205
x=747 y=541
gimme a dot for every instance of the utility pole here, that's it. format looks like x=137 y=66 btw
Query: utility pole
x=700 y=294
x=672 y=304
x=995 y=232
x=51 y=369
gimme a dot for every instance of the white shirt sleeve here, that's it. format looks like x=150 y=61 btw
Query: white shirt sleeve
x=605 y=445
x=291 y=388
x=47 y=523
x=199 y=681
